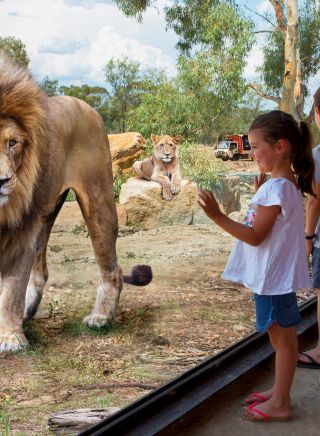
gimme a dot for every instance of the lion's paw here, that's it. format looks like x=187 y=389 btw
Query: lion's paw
x=96 y=320
x=12 y=342
x=167 y=195
x=175 y=188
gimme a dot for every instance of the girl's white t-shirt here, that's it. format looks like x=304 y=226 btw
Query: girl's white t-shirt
x=279 y=264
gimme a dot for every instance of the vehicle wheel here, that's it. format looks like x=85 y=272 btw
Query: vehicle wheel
x=224 y=158
x=236 y=157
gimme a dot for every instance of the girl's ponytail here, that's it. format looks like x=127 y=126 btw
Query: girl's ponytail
x=302 y=160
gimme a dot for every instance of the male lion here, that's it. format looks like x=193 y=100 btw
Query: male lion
x=48 y=145
x=163 y=166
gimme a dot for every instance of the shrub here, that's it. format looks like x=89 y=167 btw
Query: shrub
x=198 y=163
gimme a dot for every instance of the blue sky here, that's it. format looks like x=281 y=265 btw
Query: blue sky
x=72 y=40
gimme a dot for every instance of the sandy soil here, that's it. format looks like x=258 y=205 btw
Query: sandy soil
x=186 y=314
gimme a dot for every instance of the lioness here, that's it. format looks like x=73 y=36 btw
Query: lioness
x=163 y=166
x=48 y=145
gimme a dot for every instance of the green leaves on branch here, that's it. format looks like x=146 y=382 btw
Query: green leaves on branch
x=15 y=49
x=134 y=8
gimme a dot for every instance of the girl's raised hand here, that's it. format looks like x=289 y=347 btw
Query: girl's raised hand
x=259 y=180
x=208 y=203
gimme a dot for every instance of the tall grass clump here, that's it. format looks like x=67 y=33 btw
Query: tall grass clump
x=198 y=163
x=117 y=183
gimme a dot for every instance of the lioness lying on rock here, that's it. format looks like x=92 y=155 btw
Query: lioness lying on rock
x=163 y=167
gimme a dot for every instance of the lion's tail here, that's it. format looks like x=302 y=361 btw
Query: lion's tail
x=141 y=275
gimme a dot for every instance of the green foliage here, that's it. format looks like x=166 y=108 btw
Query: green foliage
x=71 y=196
x=15 y=49
x=122 y=76
x=209 y=83
x=77 y=328
x=186 y=19
x=214 y=72
x=50 y=86
x=240 y=118
x=200 y=164
x=127 y=83
x=164 y=111
x=134 y=8
x=53 y=309
x=93 y=95
x=118 y=182
x=55 y=248
x=4 y=424
x=309 y=37
x=79 y=228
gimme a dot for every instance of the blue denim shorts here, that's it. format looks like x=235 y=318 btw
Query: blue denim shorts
x=282 y=309
x=316 y=267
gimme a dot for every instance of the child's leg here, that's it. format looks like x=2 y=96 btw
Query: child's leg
x=313 y=352
x=284 y=341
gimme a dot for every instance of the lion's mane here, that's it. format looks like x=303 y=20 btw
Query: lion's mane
x=23 y=101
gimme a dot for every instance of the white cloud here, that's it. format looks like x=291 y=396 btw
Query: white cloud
x=255 y=58
x=72 y=40
x=264 y=6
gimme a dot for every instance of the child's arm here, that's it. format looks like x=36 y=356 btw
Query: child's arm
x=265 y=218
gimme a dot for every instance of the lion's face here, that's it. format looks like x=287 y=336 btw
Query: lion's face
x=12 y=140
x=165 y=147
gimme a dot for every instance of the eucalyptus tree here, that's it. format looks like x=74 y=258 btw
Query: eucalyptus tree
x=291 y=54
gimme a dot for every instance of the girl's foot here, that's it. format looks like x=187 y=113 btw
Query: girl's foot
x=266 y=411
x=257 y=397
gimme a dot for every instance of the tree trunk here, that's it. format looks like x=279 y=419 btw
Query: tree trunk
x=288 y=103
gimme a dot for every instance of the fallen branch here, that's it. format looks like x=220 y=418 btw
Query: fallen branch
x=74 y=421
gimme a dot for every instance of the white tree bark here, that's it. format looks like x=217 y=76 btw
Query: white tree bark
x=288 y=101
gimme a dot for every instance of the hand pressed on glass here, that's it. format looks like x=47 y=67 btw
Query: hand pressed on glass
x=208 y=203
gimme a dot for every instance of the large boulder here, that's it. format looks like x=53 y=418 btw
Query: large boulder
x=125 y=149
x=146 y=208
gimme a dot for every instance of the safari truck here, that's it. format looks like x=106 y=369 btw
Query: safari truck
x=233 y=147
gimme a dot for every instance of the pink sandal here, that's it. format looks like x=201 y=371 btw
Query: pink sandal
x=252 y=414
x=261 y=398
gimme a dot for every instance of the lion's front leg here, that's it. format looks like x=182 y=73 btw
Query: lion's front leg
x=176 y=183
x=166 y=185
x=12 y=301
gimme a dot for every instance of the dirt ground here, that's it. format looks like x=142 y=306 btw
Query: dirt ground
x=186 y=314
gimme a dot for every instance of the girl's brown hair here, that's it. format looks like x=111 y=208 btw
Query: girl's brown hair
x=277 y=125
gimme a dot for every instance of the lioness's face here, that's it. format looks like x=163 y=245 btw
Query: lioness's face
x=11 y=147
x=165 y=146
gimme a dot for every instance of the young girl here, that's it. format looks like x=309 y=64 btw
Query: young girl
x=269 y=256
